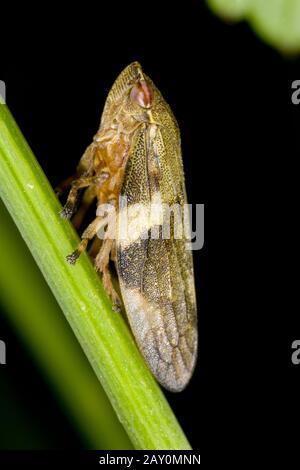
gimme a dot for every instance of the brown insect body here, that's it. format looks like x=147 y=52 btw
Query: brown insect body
x=136 y=154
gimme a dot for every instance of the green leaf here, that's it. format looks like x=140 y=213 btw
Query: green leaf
x=276 y=21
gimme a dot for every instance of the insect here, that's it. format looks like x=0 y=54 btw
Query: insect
x=136 y=157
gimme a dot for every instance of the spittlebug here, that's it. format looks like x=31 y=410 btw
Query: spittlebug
x=136 y=157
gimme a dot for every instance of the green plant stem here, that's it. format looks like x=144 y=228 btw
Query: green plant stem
x=103 y=334
x=33 y=311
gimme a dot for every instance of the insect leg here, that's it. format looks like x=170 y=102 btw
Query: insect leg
x=102 y=265
x=81 y=182
x=69 y=207
x=87 y=235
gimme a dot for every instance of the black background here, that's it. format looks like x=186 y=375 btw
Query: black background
x=231 y=95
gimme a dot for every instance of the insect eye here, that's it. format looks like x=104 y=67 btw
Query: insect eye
x=141 y=93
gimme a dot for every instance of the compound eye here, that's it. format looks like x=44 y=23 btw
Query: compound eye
x=141 y=93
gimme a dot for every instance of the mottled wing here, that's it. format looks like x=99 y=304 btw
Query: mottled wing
x=156 y=275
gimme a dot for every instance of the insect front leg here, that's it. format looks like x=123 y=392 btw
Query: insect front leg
x=82 y=182
x=87 y=235
x=70 y=205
